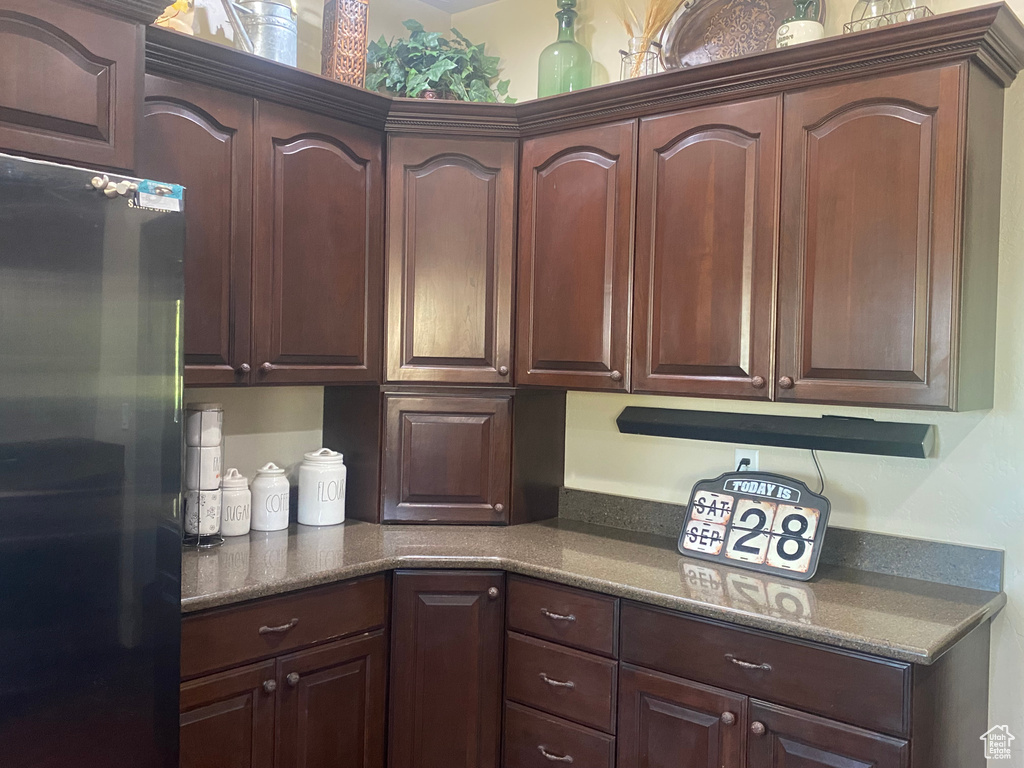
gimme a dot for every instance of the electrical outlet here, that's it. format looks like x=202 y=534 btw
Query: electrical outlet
x=747 y=453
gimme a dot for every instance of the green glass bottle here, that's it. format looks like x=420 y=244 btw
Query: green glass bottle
x=565 y=65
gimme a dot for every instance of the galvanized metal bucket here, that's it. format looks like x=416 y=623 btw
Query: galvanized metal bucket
x=273 y=29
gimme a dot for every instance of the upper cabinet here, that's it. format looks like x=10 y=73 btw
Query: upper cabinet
x=877 y=269
x=575 y=258
x=202 y=138
x=450 y=260
x=319 y=220
x=71 y=83
x=704 y=286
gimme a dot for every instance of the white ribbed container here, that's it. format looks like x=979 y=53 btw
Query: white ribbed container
x=236 y=504
x=322 y=478
x=270 y=490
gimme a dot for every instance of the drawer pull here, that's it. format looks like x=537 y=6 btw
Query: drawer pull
x=278 y=630
x=748 y=664
x=558 y=616
x=554 y=758
x=557 y=683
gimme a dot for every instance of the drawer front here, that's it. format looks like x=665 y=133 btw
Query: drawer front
x=225 y=638
x=561 y=681
x=861 y=690
x=536 y=740
x=568 y=616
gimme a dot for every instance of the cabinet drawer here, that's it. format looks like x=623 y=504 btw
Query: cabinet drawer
x=225 y=638
x=536 y=740
x=561 y=681
x=853 y=688
x=569 y=616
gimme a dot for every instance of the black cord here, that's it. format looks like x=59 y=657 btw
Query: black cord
x=817 y=466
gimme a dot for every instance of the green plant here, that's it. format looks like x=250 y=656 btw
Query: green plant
x=429 y=62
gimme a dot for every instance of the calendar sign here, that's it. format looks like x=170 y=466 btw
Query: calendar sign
x=756 y=520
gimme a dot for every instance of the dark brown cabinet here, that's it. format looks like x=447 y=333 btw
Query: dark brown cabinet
x=446 y=661
x=450 y=260
x=71 y=85
x=575 y=258
x=704 y=285
x=331 y=708
x=447 y=458
x=668 y=721
x=202 y=138
x=227 y=720
x=872 y=258
x=318 y=249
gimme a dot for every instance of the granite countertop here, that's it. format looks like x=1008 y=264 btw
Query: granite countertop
x=891 y=616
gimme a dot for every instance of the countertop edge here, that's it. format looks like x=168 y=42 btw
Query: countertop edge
x=845 y=641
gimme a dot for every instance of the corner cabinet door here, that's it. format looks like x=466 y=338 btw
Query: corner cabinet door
x=447 y=459
x=446 y=659
x=332 y=711
x=869 y=249
x=319 y=249
x=202 y=138
x=227 y=720
x=667 y=721
x=704 y=287
x=782 y=738
x=575 y=258
x=71 y=82
x=450 y=261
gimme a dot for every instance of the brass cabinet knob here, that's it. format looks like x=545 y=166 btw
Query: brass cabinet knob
x=728 y=718
x=503 y=370
x=266 y=367
x=269 y=686
x=616 y=376
x=786 y=382
x=492 y=593
x=244 y=368
x=293 y=679
x=758 y=382
x=757 y=728
x=499 y=507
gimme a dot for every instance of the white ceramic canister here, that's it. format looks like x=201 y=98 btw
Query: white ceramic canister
x=800 y=31
x=202 y=468
x=204 y=424
x=322 y=488
x=235 y=500
x=270 y=499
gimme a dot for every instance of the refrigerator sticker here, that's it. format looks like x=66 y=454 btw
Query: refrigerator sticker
x=158 y=196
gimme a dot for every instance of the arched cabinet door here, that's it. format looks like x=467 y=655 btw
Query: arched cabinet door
x=870 y=241
x=575 y=258
x=202 y=138
x=450 y=260
x=704 y=286
x=319 y=212
x=69 y=84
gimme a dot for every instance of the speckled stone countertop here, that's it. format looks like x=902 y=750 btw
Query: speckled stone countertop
x=891 y=616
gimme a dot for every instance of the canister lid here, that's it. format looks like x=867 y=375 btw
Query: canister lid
x=270 y=469
x=204 y=407
x=234 y=479
x=325 y=456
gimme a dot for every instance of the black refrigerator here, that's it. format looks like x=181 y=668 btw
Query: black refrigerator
x=91 y=295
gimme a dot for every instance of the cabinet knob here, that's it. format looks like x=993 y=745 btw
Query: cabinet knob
x=492 y=593
x=244 y=368
x=269 y=686
x=266 y=367
x=499 y=507
x=616 y=376
x=503 y=370
x=758 y=382
x=786 y=382
x=293 y=679
x=757 y=728
x=728 y=718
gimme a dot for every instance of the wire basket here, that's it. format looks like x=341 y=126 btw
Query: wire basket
x=887 y=19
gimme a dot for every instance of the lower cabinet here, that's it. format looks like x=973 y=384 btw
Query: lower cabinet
x=446 y=659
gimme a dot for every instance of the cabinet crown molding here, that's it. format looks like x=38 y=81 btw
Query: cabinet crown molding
x=141 y=11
